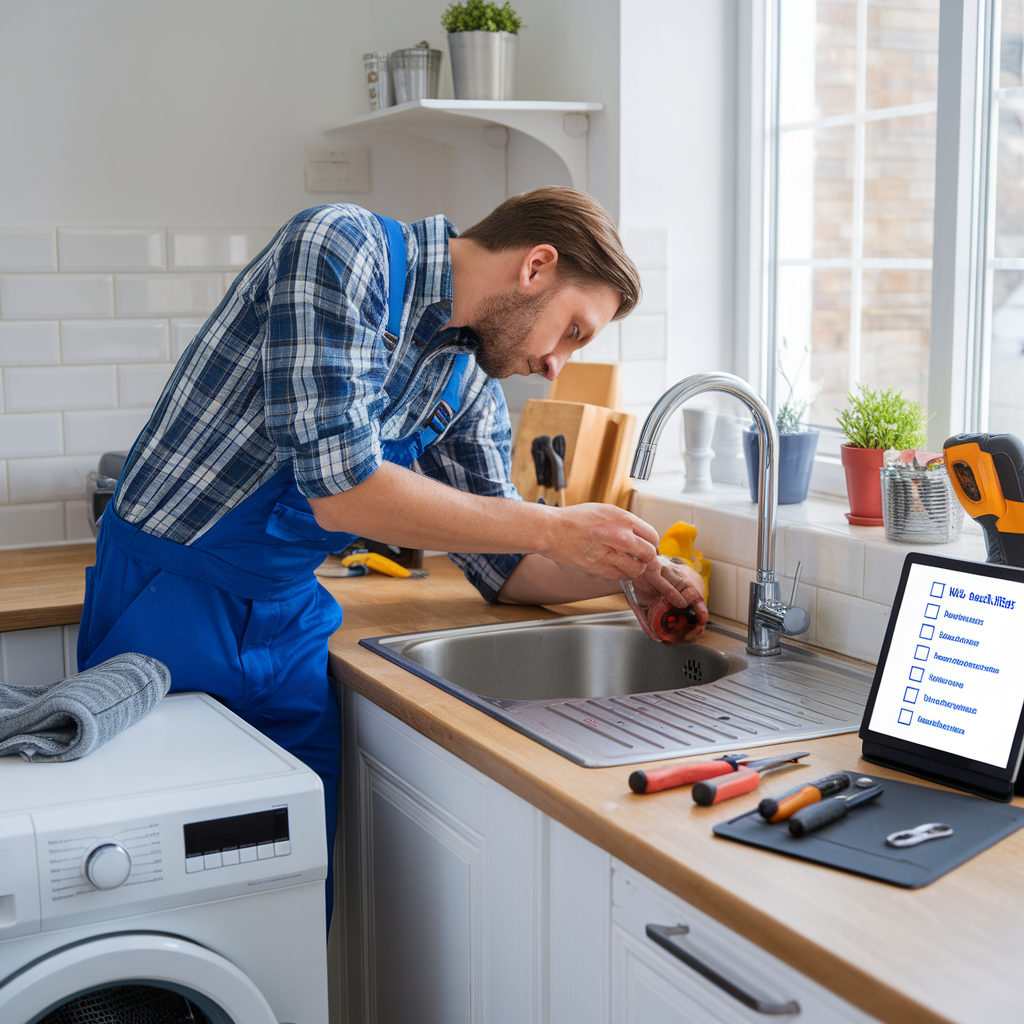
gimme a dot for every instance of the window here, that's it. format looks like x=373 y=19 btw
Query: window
x=856 y=136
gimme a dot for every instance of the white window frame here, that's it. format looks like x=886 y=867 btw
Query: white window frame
x=961 y=259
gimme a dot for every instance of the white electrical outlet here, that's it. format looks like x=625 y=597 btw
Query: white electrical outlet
x=337 y=168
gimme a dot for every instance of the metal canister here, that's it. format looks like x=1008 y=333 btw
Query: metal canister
x=918 y=505
x=378 y=80
x=415 y=73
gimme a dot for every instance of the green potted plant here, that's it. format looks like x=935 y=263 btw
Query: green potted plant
x=797 y=442
x=875 y=422
x=482 y=41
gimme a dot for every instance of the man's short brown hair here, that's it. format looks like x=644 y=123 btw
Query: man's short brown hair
x=576 y=225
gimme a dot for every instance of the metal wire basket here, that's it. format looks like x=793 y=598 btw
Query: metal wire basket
x=919 y=506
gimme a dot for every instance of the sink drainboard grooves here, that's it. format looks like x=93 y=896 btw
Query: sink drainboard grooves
x=745 y=702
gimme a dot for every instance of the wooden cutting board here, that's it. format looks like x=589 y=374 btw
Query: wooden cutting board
x=598 y=445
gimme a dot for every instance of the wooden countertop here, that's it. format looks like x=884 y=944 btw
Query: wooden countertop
x=43 y=586
x=947 y=953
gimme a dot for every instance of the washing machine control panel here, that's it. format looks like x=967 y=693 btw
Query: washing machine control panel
x=108 y=866
x=239 y=839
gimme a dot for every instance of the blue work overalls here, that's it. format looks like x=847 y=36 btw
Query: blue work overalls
x=238 y=613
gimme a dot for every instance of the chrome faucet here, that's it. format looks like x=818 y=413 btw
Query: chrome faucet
x=769 y=616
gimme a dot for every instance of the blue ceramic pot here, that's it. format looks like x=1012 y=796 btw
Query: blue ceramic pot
x=796 y=460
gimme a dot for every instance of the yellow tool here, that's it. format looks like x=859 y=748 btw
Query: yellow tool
x=677 y=542
x=381 y=564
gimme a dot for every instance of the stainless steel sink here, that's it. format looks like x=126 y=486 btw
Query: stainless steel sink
x=595 y=689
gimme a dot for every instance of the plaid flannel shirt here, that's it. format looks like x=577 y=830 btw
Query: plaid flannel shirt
x=294 y=366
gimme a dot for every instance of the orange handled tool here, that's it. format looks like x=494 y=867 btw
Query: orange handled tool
x=743 y=780
x=782 y=807
x=657 y=779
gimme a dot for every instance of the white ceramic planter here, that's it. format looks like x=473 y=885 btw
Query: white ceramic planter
x=483 y=64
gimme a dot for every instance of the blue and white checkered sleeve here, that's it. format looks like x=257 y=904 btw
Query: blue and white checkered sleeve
x=475 y=455
x=324 y=358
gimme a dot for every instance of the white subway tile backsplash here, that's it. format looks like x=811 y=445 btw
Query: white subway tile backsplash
x=114 y=341
x=113 y=430
x=34 y=389
x=54 y=479
x=3 y=485
x=655 y=292
x=29 y=343
x=722 y=590
x=55 y=296
x=111 y=248
x=182 y=333
x=25 y=525
x=28 y=249
x=643 y=381
x=744 y=577
x=663 y=512
x=829 y=559
x=727 y=535
x=644 y=336
x=142 y=295
x=203 y=249
x=850 y=625
x=141 y=385
x=76 y=526
x=604 y=348
x=647 y=246
x=29 y=434
x=882 y=568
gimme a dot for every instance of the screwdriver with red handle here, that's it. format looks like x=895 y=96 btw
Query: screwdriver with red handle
x=656 y=779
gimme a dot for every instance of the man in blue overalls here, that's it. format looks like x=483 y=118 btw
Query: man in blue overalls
x=351 y=348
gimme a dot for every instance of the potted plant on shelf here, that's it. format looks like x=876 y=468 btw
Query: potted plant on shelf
x=482 y=40
x=875 y=422
x=797 y=441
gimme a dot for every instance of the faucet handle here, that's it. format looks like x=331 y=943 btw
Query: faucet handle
x=796 y=583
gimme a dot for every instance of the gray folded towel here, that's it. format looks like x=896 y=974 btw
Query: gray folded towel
x=71 y=718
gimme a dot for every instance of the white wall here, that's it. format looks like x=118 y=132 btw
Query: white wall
x=148 y=150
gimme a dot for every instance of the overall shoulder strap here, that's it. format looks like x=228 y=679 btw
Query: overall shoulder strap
x=396 y=273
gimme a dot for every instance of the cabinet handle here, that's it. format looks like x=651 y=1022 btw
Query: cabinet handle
x=662 y=935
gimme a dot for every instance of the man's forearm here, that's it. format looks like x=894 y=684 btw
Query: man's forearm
x=540 y=580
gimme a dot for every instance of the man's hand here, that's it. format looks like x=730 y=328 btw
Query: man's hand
x=602 y=540
x=678 y=584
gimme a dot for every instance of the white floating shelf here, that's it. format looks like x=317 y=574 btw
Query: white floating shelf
x=465 y=125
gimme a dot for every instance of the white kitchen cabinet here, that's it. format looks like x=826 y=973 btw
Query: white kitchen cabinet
x=38 y=656
x=466 y=905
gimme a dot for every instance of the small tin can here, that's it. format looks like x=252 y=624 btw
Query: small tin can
x=378 y=80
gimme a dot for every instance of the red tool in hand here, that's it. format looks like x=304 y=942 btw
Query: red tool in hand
x=732 y=766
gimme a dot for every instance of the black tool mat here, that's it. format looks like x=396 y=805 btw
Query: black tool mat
x=857 y=843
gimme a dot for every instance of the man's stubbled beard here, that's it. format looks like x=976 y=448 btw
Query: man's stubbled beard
x=499 y=336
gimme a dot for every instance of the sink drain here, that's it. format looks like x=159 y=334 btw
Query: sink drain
x=693 y=670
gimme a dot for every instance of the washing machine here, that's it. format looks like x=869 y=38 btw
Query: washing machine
x=174 y=875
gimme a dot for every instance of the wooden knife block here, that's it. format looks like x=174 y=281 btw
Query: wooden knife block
x=598 y=444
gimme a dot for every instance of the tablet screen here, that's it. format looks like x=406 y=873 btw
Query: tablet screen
x=953 y=679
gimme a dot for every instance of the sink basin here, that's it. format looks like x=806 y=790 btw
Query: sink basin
x=595 y=689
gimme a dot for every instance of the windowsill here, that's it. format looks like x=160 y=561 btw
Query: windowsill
x=849 y=573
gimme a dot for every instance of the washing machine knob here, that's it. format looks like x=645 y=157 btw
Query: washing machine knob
x=108 y=866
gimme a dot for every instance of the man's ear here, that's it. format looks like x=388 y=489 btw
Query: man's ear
x=537 y=267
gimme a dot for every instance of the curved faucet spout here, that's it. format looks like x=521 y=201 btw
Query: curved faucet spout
x=768 y=476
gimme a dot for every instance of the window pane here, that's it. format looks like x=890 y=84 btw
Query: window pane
x=899 y=186
x=818 y=59
x=1009 y=219
x=830 y=356
x=895 y=325
x=1006 y=386
x=903 y=52
x=1010 y=43
x=816 y=193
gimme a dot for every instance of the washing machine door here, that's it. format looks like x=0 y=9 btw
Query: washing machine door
x=50 y=986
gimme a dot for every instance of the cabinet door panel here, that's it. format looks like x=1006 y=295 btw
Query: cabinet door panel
x=422 y=919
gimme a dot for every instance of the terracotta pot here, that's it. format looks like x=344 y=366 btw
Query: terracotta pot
x=863 y=484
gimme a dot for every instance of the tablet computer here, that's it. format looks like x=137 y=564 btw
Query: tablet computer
x=947 y=700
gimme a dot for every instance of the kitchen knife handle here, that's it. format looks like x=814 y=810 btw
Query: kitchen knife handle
x=657 y=779
x=817 y=816
x=714 y=791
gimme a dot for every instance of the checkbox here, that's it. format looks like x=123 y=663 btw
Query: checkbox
x=931 y=611
x=910 y=695
x=906 y=716
x=921 y=653
x=938 y=589
x=927 y=632
x=916 y=674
